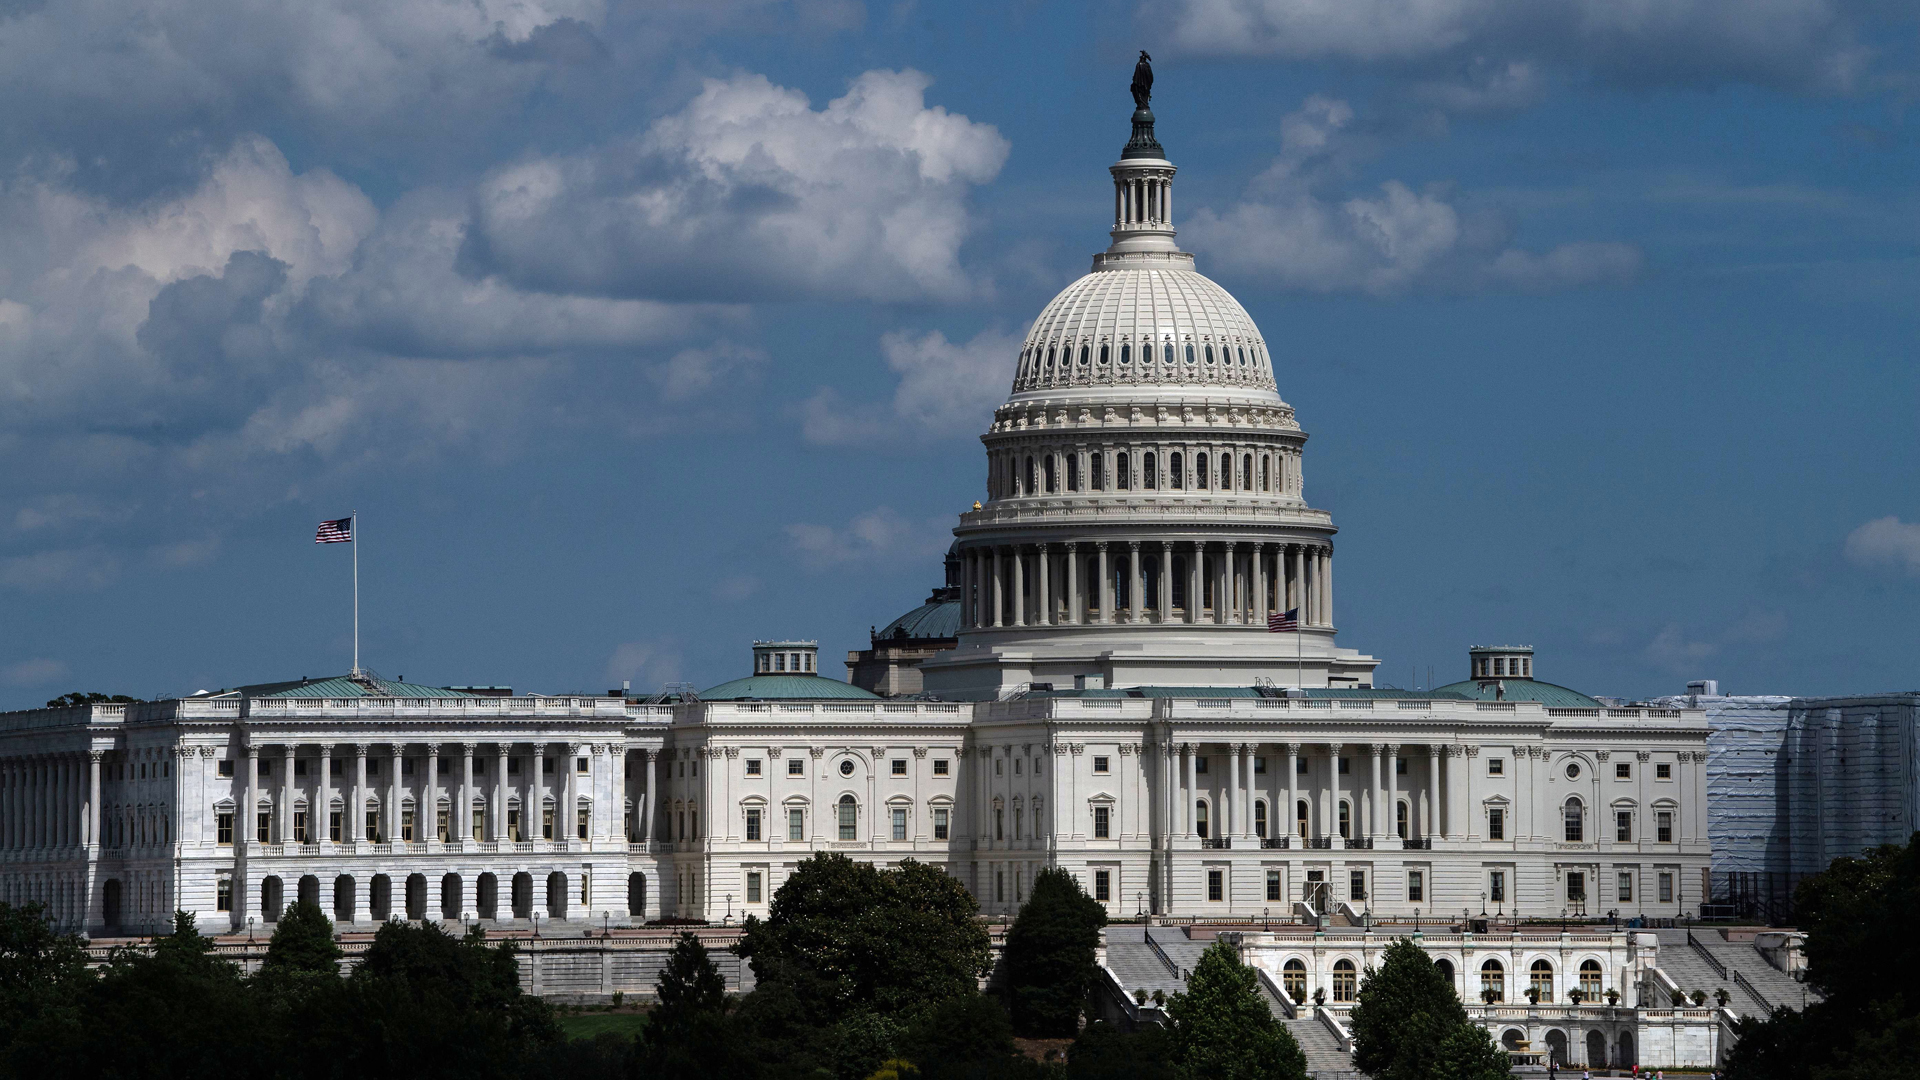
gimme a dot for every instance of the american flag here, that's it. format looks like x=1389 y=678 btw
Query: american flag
x=1283 y=621
x=335 y=532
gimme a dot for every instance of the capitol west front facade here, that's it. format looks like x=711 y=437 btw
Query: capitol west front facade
x=1108 y=699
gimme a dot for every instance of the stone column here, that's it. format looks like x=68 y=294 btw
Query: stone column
x=1223 y=586
x=1105 y=594
x=324 y=795
x=93 y=800
x=252 y=807
x=1393 y=793
x=1196 y=595
x=396 y=751
x=1192 y=789
x=1045 y=587
x=1293 y=796
x=1019 y=558
x=653 y=790
x=999 y=601
x=503 y=751
x=1258 y=583
x=1226 y=816
x=357 y=824
x=569 y=820
x=1136 y=582
x=1291 y=585
x=286 y=793
x=1165 y=598
x=463 y=813
x=1435 y=799
x=1326 y=587
x=1075 y=615
x=430 y=795
x=1251 y=751
x=1373 y=791
x=1332 y=826
x=1455 y=824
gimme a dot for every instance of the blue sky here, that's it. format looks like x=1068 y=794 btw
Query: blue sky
x=637 y=331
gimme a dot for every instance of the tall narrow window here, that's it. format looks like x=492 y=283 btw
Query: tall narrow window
x=223 y=828
x=1416 y=886
x=1497 y=887
x=899 y=823
x=1590 y=979
x=1496 y=823
x=1493 y=981
x=1073 y=472
x=753 y=823
x=1663 y=825
x=1200 y=819
x=1300 y=818
x=1260 y=818
x=1099 y=471
x=796 y=823
x=1122 y=472
x=753 y=886
x=848 y=824
x=1103 y=879
x=1226 y=472
x=1623 y=826
x=1200 y=471
x=1346 y=983
x=940 y=823
x=1540 y=980
x=1576 y=821
x=1216 y=885
x=1400 y=819
x=1345 y=820
x=1048 y=460
x=1102 y=825
x=1152 y=477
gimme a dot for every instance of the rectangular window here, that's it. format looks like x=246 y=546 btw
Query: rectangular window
x=1200 y=765
x=335 y=824
x=223 y=829
x=580 y=823
x=263 y=827
x=999 y=886
x=1416 y=886
x=514 y=830
x=849 y=822
x=1356 y=884
x=999 y=766
x=1345 y=766
x=1100 y=765
x=406 y=824
x=373 y=826
x=1662 y=771
x=336 y=767
x=796 y=824
x=546 y=766
x=1016 y=766
x=479 y=766
x=299 y=767
x=580 y=766
x=1103 y=885
x=940 y=767
x=1623 y=770
x=753 y=886
x=479 y=823
x=1496 y=823
x=1625 y=892
x=1216 y=885
x=299 y=826
x=443 y=826
x=1301 y=766
x=1576 y=887
x=899 y=766
x=1497 y=887
x=223 y=894
x=899 y=823
x=1259 y=766
x=1400 y=766
x=999 y=824
x=1496 y=766
x=373 y=766
x=225 y=768
x=753 y=824
x=795 y=768
x=263 y=767
x=1663 y=822
x=753 y=766
x=1666 y=888
x=1623 y=826
x=1102 y=828
x=1273 y=887
x=940 y=824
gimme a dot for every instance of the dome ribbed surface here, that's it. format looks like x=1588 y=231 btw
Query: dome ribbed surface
x=1136 y=310
x=930 y=621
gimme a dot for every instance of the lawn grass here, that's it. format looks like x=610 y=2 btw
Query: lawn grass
x=586 y=1025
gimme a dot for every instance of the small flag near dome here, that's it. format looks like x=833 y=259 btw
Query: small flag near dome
x=335 y=532
x=1281 y=622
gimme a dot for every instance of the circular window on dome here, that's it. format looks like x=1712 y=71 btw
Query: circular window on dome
x=1573 y=770
x=846 y=768
x=1126 y=354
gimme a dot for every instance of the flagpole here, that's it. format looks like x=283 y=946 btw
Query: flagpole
x=353 y=534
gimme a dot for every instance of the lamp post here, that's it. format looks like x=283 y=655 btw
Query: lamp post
x=728 y=921
x=1483 y=903
x=249 y=929
x=606 y=924
x=1140 y=904
x=1563 y=920
x=536 y=924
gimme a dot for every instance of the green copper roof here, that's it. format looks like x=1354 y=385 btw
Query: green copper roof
x=785 y=688
x=1251 y=692
x=935 y=619
x=1546 y=693
x=340 y=686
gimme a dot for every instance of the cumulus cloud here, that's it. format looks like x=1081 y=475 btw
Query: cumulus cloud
x=38 y=671
x=751 y=193
x=1799 y=44
x=946 y=388
x=881 y=535
x=1886 y=542
x=1297 y=227
x=1676 y=651
x=649 y=665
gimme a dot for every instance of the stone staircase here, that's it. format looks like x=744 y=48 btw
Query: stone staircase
x=1325 y=1059
x=1690 y=970
x=1775 y=987
x=1137 y=965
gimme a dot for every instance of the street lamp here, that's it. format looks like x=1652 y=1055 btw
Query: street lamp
x=728 y=921
x=536 y=924
x=1140 y=904
x=1483 y=903
x=1563 y=920
x=249 y=929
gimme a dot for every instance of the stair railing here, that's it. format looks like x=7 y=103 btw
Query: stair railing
x=1285 y=999
x=1752 y=990
x=1712 y=960
x=1173 y=969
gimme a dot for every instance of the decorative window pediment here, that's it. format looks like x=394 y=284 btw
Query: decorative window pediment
x=1495 y=800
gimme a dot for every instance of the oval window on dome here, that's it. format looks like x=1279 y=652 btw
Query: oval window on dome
x=1049 y=356
x=1103 y=353
x=1169 y=352
x=1209 y=354
x=1126 y=354
x=1243 y=356
x=1189 y=352
x=1083 y=356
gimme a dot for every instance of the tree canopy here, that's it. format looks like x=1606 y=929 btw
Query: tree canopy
x=1223 y=1028
x=1404 y=1011
x=1050 y=960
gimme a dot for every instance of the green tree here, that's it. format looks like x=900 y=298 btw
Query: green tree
x=1223 y=1028
x=1403 y=1012
x=90 y=698
x=302 y=945
x=860 y=937
x=1469 y=1053
x=686 y=1033
x=965 y=1037
x=1050 y=956
x=1105 y=1052
x=43 y=974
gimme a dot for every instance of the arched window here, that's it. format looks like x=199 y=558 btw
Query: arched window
x=1266 y=471
x=1400 y=814
x=1103 y=354
x=1122 y=472
x=1152 y=474
x=1300 y=817
x=849 y=823
x=1209 y=354
x=1032 y=487
x=1200 y=470
x=1293 y=979
x=1073 y=472
x=1590 y=979
x=1445 y=967
x=1048 y=462
x=1493 y=981
x=1576 y=821
x=1226 y=472
x=1200 y=818
x=1099 y=471
x=1540 y=979
x=1260 y=818
x=1243 y=356
x=1189 y=352
x=1246 y=472
x=1173 y=464
x=1346 y=982
x=1049 y=358
x=1345 y=822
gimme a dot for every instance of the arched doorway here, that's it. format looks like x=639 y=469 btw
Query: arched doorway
x=416 y=897
x=637 y=896
x=1513 y=1039
x=556 y=895
x=1557 y=1046
x=523 y=895
x=486 y=895
x=1623 y=1052
x=344 y=901
x=309 y=890
x=271 y=898
x=1596 y=1050
x=1445 y=967
x=450 y=897
x=110 y=903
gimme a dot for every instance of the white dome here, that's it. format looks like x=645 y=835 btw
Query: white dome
x=1115 y=327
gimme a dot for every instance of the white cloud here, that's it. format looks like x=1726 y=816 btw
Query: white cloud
x=85 y=568
x=880 y=535
x=1671 y=650
x=1886 y=542
x=649 y=665
x=1790 y=43
x=749 y=192
x=1678 y=652
x=36 y=672
x=945 y=389
x=1295 y=230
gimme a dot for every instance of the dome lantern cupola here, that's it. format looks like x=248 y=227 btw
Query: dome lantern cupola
x=1143 y=190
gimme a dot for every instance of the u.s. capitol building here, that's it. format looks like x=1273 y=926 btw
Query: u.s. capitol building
x=1095 y=686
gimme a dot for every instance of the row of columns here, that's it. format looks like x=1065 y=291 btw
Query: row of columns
x=1015 y=472
x=1249 y=583
x=1234 y=816
x=50 y=802
x=1142 y=199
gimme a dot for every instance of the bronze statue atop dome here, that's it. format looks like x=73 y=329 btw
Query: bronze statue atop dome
x=1142 y=87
